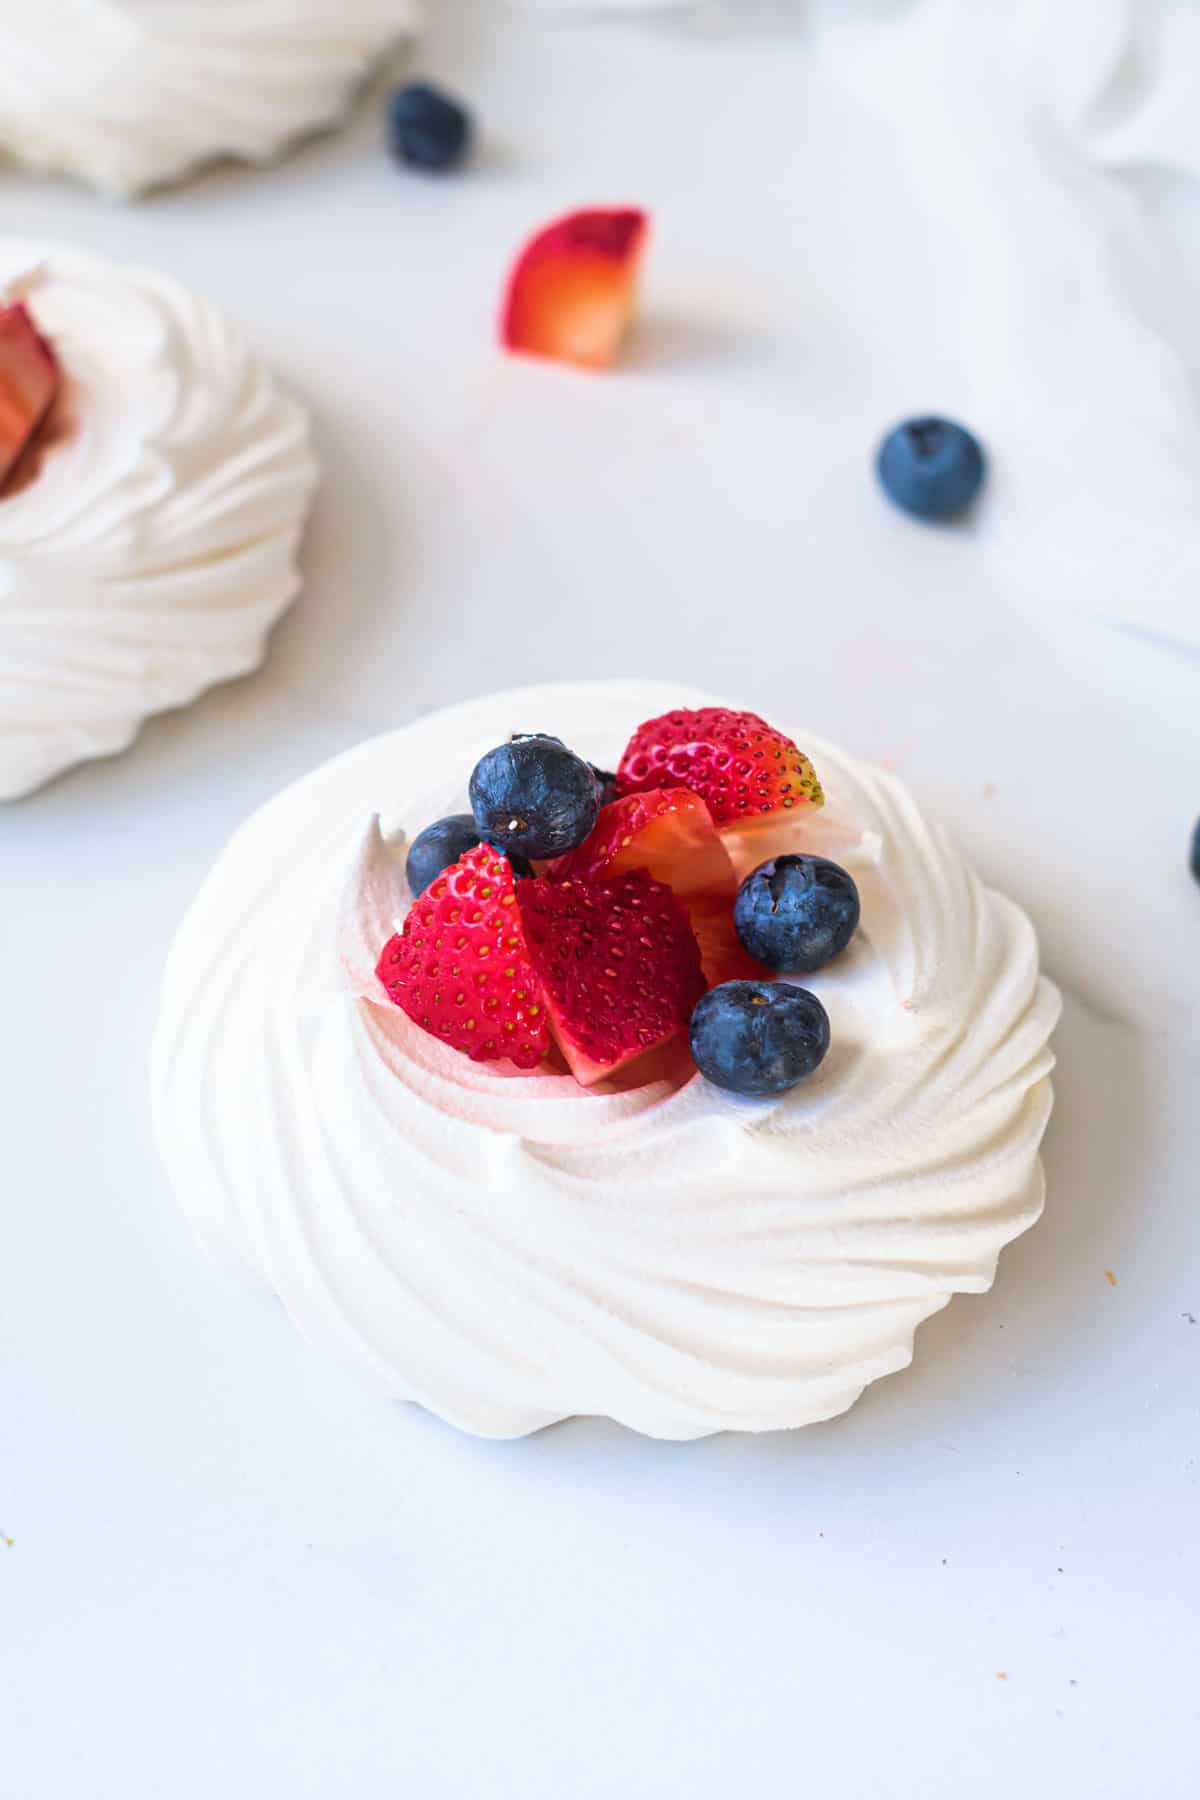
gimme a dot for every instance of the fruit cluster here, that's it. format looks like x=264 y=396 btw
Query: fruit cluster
x=601 y=914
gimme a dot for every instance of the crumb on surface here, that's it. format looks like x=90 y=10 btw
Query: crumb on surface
x=1110 y=1278
x=1001 y=1674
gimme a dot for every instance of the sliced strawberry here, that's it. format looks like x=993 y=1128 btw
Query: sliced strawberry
x=668 y=832
x=29 y=383
x=750 y=775
x=721 y=954
x=619 y=965
x=570 y=294
x=460 y=968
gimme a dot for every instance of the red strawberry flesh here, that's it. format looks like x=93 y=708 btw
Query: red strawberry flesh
x=460 y=969
x=721 y=954
x=570 y=294
x=668 y=832
x=619 y=966
x=29 y=384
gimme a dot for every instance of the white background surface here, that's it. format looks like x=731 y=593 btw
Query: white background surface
x=230 y=1570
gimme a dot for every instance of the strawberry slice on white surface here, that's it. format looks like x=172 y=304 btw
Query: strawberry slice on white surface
x=571 y=291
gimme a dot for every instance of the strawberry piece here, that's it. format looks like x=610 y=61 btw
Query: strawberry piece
x=668 y=832
x=751 y=776
x=571 y=291
x=29 y=384
x=721 y=954
x=460 y=968
x=619 y=965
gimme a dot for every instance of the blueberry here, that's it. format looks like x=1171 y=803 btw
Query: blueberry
x=608 y=785
x=426 y=129
x=758 y=1037
x=441 y=844
x=435 y=848
x=1195 y=856
x=931 y=467
x=796 y=912
x=534 y=796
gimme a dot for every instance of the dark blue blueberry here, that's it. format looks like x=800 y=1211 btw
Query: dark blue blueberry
x=758 y=1037
x=608 y=785
x=796 y=912
x=1195 y=857
x=931 y=467
x=426 y=129
x=441 y=844
x=534 y=796
x=435 y=848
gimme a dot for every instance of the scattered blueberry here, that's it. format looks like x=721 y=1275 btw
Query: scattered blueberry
x=534 y=796
x=796 y=912
x=426 y=129
x=931 y=467
x=1195 y=858
x=435 y=848
x=758 y=1037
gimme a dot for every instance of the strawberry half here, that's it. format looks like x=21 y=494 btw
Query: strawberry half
x=750 y=775
x=668 y=832
x=571 y=291
x=460 y=969
x=29 y=384
x=619 y=966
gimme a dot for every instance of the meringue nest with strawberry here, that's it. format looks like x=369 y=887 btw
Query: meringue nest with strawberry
x=154 y=484
x=549 y=1136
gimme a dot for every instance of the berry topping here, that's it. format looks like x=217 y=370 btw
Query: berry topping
x=669 y=832
x=740 y=766
x=460 y=969
x=435 y=848
x=441 y=844
x=619 y=967
x=722 y=956
x=931 y=467
x=797 y=912
x=570 y=294
x=608 y=785
x=426 y=128
x=758 y=1037
x=534 y=796
x=29 y=383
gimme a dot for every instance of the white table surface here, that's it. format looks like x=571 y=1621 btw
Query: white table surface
x=231 y=1570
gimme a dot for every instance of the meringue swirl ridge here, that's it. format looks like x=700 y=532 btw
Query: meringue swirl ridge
x=131 y=95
